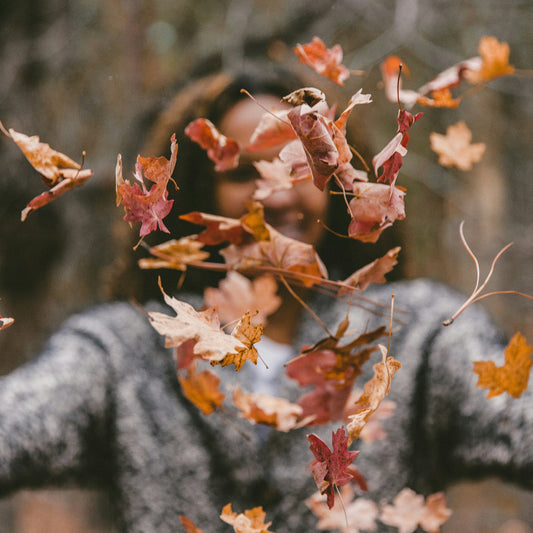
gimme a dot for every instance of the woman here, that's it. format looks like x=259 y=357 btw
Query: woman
x=102 y=405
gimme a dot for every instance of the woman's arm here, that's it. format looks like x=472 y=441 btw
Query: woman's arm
x=53 y=422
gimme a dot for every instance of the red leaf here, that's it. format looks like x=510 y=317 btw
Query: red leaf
x=331 y=468
x=222 y=151
x=140 y=204
x=374 y=208
x=325 y=61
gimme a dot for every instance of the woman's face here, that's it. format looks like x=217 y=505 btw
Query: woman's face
x=293 y=212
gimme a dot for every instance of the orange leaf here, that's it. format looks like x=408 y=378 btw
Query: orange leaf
x=375 y=391
x=189 y=525
x=513 y=376
x=495 y=61
x=202 y=390
x=248 y=335
x=455 y=148
x=261 y=408
x=325 y=61
x=251 y=521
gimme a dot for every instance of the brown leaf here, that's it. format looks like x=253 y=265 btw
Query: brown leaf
x=261 y=408
x=202 y=390
x=375 y=391
x=456 y=148
x=272 y=130
x=248 y=335
x=513 y=376
x=58 y=171
x=203 y=327
x=175 y=254
x=373 y=272
x=251 y=521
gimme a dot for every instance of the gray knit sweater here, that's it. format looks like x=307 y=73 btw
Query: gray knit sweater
x=102 y=405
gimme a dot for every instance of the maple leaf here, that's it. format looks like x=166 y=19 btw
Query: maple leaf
x=349 y=516
x=222 y=151
x=148 y=206
x=513 y=376
x=409 y=511
x=272 y=130
x=325 y=61
x=189 y=525
x=261 y=408
x=372 y=273
x=248 y=335
x=331 y=467
x=374 y=207
x=202 y=390
x=203 y=327
x=251 y=521
x=375 y=391
x=236 y=294
x=455 y=148
x=175 y=254
x=58 y=171
x=494 y=61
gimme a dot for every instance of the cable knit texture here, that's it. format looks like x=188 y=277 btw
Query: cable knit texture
x=102 y=406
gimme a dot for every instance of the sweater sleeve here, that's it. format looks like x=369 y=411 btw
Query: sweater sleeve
x=53 y=413
x=466 y=434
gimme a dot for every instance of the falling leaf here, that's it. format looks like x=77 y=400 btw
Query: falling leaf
x=331 y=468
x=374 y=207
x=222 y=151
x=306 y=95
x=373 y=272
x=236 y=294
x=248 y=335
x=175 y=254
x=456 y=148
x=375 y=391
x=261 y=408
x=272 y=130
x=218 y=229
x=202 y=390
x=351 y=515
x=189 y=525
x=409 y=511
x=494 y=61
x=203 y=327
x=59 y=172
x=276 y=175
x=148 y=206
x=5 y=322
x=513 y=376
x=251 y=521
x=325 y=61
x=391 y=157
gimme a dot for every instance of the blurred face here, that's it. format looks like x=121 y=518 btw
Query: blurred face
x=293 y=212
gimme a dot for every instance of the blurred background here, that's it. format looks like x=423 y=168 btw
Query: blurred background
x=89 y=74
